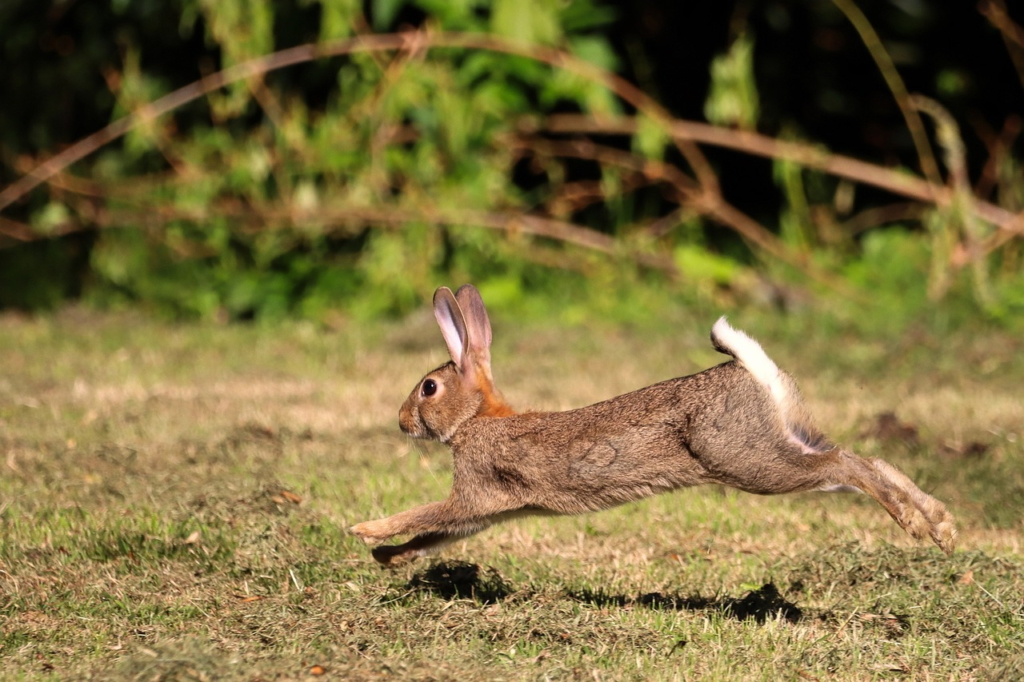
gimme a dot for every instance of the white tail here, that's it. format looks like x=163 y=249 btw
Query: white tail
x=749 y=353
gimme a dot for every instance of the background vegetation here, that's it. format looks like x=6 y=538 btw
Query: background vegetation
x=494 y=142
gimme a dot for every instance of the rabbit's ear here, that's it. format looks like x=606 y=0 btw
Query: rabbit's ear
x=475 y=314
x=453 y=326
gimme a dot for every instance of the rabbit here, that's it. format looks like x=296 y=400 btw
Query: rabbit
x=740 y=424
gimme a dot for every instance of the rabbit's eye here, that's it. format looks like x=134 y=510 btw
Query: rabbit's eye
x=429 y=387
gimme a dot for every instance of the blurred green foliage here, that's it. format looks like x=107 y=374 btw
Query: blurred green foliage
x=254 y=209
x=403 y=171
x=733 y=100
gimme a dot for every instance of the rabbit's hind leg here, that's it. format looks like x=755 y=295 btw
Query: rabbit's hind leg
x=939 y=523
x=833 y=469
x=918 y=513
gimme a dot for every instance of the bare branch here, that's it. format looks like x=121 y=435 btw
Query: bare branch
x=270 y=218
x=710 y=204
x=880 y=215
x=412 y=41
x=1013 y=34
x=17 y=230
x=895 y=82
x=811 y=156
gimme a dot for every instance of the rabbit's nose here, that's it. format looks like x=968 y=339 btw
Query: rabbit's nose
x=407 y=422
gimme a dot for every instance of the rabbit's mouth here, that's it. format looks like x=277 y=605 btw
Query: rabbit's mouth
x=417 y=428
x=410 y=422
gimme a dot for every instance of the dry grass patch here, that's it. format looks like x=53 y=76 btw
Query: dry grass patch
x=172 y=502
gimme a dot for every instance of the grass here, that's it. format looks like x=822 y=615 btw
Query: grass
x=173 y=499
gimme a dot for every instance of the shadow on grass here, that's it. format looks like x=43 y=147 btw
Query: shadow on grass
x=461 y=580
x=759 y=605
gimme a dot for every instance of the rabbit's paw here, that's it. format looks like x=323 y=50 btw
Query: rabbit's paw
x=371 y=532
x=943 y=528
x=395 y=555
x=944 y=535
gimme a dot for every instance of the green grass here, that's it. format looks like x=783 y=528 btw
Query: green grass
x=173 y=502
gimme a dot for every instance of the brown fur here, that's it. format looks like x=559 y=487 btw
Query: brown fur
x=719 y=426
x=493 y=404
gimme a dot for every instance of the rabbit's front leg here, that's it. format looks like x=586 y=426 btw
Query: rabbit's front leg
x=445 y=518
x=404 y=523
x=421 y=545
